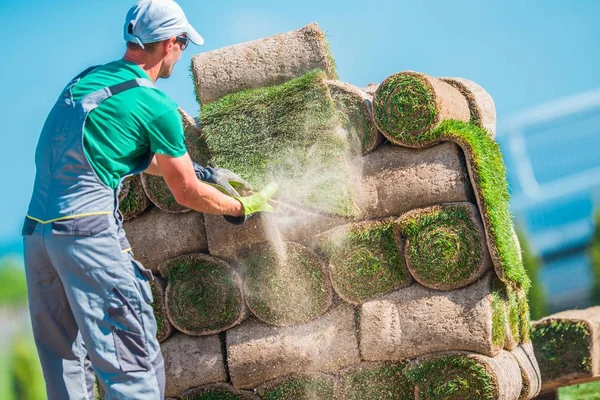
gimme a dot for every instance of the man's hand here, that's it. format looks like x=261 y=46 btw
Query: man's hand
x=225 y=178
x=254 y=204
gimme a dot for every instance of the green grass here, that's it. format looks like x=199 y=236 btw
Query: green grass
x=13 y=287
x=562 y=347
x=286 y=289
x=365 y=260
x=356 y=119
x=452 y=377
x=136 y=201
x=405 y=105
x=300 y=388
x=443 y=245
x=6 y=391
x=514 y=315
x=25 y=372
x=203 y=294
x=587 y=391
x=378 y=382
x=499 y=315
x=288 y=134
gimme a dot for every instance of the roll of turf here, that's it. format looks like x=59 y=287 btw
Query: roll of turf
x=381 y=381
x=288 y=134
x=356 y=107
x=204 y=294
x=132 y=199
x=481 y=104
x=465 y=376
x=530 y=370
x=285 y=284
x=365 y=260
x=445 y=245
x=261 y=63
x=410 y=105
x=567 y=347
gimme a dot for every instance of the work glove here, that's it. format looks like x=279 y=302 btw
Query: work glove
x=254 y=204
x=222 y=177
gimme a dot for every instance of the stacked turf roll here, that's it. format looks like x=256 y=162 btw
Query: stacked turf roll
x=389 y=269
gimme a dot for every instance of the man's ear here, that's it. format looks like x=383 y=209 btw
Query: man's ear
x=167 y=45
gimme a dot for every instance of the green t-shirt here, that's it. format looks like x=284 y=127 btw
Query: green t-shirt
x=125 y=127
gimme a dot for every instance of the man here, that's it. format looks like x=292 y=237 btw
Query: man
x=90 y=301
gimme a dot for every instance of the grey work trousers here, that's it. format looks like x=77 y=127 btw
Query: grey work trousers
x=90 y=306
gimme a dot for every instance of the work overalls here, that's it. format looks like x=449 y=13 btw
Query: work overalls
x=90 y=301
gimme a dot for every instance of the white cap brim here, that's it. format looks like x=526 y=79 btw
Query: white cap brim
x=194 y=36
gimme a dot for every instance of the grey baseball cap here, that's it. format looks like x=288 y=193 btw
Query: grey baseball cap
x=151 y=21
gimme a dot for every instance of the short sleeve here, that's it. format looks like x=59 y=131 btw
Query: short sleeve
x=166 y=134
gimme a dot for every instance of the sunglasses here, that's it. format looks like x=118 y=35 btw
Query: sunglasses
x=184 y=40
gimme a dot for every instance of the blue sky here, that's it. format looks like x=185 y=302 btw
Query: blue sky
x=523 y=53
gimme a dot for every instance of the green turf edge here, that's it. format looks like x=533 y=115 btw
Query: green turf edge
x=365 y=260
x=442 y=269
x=355 y=119
x=499 y=313
x=468 y=379
x=378 y=381
x=301 y=387
x=562 y=347
x=268 y=296
x=214 y=305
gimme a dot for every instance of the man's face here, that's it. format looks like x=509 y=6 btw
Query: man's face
x=174 y=51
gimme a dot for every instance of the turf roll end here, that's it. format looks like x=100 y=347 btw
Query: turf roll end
x=204 y=294
x=286 y=284
x=365 y=260
x=356 y=107
x=445 y=245
x=465 y=376
x=381 y=381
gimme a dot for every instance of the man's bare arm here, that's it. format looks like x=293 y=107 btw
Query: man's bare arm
x=153 y=167
x=189 y=191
